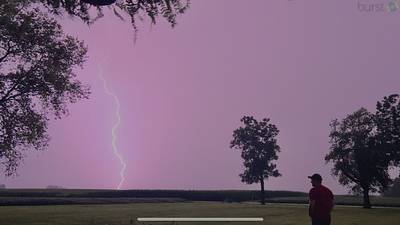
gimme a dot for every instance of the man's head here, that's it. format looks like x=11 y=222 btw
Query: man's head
x=316 y=179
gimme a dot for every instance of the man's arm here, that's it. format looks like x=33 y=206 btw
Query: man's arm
x=311 y=207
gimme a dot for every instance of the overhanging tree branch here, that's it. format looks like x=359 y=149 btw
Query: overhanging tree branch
x=35 y=93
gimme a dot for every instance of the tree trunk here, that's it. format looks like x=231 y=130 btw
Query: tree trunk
x=366 y=202
x=262 y=192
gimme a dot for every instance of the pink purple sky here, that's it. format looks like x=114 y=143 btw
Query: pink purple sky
x=183 y=91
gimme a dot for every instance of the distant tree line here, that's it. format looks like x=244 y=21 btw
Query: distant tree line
x=54 y=187
x=193 y=195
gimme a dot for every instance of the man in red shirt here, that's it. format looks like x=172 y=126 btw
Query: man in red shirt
x=321 y=202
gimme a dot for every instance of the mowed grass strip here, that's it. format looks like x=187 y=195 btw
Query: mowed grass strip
x=117 y=214
x=344 y=200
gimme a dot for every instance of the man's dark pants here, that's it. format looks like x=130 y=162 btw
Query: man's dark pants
x=318 y=221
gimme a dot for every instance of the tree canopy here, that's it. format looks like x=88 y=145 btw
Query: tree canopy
x=257 y=141
x=365 y=146
x=358 y=159
x=36 y=79
x=388 y=127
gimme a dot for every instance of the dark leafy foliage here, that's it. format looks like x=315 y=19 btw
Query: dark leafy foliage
x=36 y=79
x=359 y=161
x=133 y=9
x=257 y=141
x=394 y=189
x=388 y=127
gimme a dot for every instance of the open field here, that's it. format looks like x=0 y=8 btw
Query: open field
x=343 y=200
x=19 y=197
x=81 y=196
x=116 y=214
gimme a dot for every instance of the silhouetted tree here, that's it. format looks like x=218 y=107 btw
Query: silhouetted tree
x=257 y=141
x=358 y=159
x=388 y=127
x=36 y=79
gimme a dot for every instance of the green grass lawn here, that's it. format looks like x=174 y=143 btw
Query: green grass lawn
x=273 y=214
x=344 y=200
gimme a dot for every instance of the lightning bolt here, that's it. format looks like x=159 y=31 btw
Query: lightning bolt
x=114 y=128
